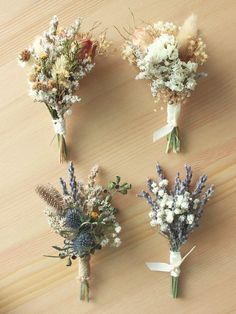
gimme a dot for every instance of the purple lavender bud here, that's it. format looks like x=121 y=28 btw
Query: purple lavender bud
x=188 y=177
x=64 y=187
x=147 y=198
x=177 y=184
x=159 y=171
x=200 y=185
x=207 y=195
x=149 y=184
x=73 y=184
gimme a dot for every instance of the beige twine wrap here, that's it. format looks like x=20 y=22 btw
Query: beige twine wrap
x=84 y=268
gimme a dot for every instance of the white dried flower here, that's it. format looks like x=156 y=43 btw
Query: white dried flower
x=169 y=216
x=190 y=219
x=117 y=242
x=185 y=205
x=104 y=242
x=118 y=229
x=178 y=211
x=163 y=47
x=151 y=214
x=153 y=222
x=155 y=190
x=163 y=183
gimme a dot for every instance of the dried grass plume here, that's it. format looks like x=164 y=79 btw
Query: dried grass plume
x=188 y=30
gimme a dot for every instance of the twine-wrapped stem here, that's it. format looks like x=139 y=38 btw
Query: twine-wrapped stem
x=84 y=273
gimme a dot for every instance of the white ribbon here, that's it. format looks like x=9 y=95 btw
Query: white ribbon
x=59 y=126
x=173 y=113
x=174 y=267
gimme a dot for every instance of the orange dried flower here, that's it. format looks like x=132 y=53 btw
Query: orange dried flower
x=94 y=214
x=24 y=55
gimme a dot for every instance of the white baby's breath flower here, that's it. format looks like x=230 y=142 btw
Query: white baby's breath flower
x=191 y=83
x=153 y=222
x=163 y=47
x=179 y=200
x=163 y=183
x=161 y=192
x=160 y=213
x=151 y=214
x=153 y=184
x=185 y=205
x=118 y=229
x=117 y=242
x=190 y=219
x=169 y=216
x=178 y=211
x=192 y=66
x=162 y=203
x=164 y=227
x=155 y=190
x=169 y=203
x=104 y=242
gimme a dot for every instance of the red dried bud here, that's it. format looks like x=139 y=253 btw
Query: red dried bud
x=88 y=49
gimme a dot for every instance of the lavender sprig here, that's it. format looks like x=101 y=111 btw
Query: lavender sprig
x=73 y=183
x=64 y=187
x=200 y=185
x=85 y=217
x=177 y=212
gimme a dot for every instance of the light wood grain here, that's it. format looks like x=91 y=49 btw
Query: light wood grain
x=113 y=127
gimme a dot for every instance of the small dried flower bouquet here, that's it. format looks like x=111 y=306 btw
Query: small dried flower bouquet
x=85 y=217
x=177 y=212
x=168 y=56
x=56 y=63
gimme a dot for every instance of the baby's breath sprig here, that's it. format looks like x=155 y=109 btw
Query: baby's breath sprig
x=85 y=217
x=177 y=213
x=56 y=63
x=169 y=57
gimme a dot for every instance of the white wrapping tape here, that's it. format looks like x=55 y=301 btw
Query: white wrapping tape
x=59 y=126
x=173 y=113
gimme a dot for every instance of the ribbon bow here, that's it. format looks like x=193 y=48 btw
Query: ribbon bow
x=173 y=112
x=173 y=268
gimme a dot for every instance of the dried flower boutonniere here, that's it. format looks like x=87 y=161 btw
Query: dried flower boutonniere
x=169 y=57
x=85 y=217
x=56 y=63
x=177 y=212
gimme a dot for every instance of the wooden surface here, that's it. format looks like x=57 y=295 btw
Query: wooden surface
x=113 y=127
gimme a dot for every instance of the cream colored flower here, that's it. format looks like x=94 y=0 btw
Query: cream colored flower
x=59 y=68
x=38 y=49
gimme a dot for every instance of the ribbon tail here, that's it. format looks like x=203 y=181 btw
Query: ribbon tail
x=186 y=255
x=159 y=267
x=158 y=134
